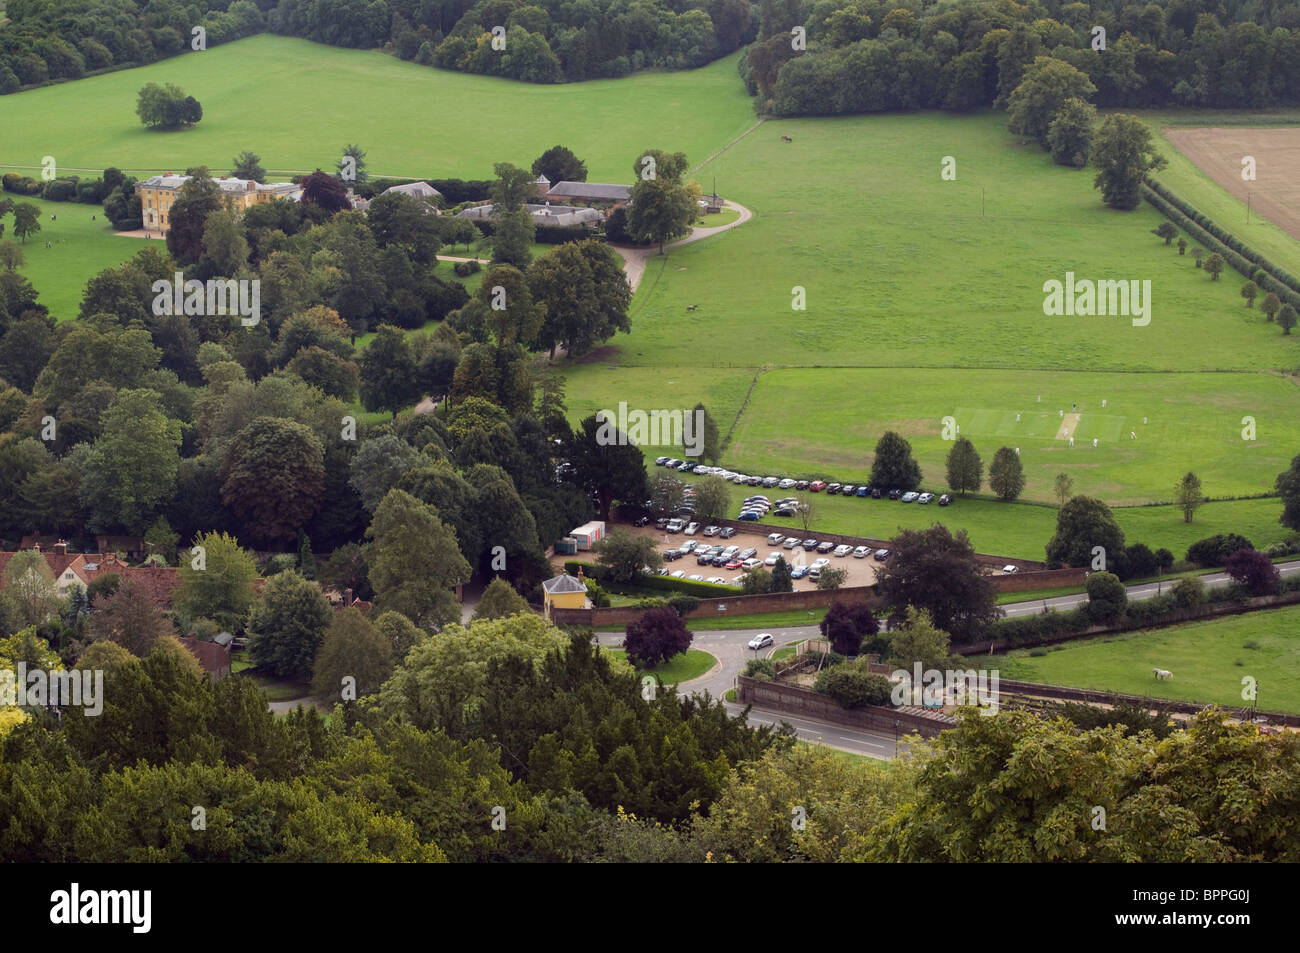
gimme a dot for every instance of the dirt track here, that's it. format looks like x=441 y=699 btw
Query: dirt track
x=1218 y=153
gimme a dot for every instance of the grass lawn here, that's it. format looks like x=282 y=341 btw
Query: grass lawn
x=759 y=620
x=1208 y=659
x=411 y=120
x=681 y=668
x=281 y=690
x=81 y=250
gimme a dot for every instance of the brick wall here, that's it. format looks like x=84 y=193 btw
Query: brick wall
x=1042 y=579
x=735 y=605
x=802 y=701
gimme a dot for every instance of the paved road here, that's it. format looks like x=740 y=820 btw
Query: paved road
x=729 y=647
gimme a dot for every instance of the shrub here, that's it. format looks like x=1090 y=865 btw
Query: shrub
x=853 y=688
x=1215 y=550
x=1037 y=653
x=683 y=605
x=1188 y=592
x=760 y=668
x=1106 y=597
x=1253 y=570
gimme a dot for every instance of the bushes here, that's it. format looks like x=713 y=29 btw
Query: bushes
x=852 y=687
x=1106 y=597
x=1215 y=550
x=562 y=234
x=466 y=268
x=760 y=668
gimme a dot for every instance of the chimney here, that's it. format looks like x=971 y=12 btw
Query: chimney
x=61 y=547
x=347 y=596
x=110 y=559
x=580 y=579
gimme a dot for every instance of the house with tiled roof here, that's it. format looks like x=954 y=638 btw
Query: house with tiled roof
x=592 y=193
x=545 y=214
x=419 y=190
x=213 y=656
x=564 y=592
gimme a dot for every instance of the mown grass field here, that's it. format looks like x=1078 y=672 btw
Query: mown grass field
x=1208 y=659
x=297 y=104
x=680 y=668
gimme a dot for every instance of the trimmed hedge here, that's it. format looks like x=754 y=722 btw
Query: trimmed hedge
x=706 y=590
x=563 y=234
x=1244 y=259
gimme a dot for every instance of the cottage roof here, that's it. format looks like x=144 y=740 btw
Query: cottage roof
x=563 y=583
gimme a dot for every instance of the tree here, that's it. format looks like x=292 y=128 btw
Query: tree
x=217 y=582
x=1287 y=318
x=1188 y=495
x=657 y=636
x=378 y=465
x=1006 y=474
x=666 y=494
x=1270 y=305
x=832 y=578
x=894 y=466
x=29 y=588
x=623 y=554
x=586 y=295
x=1082 y=524
x=326 y=192
x=781 y=580
x=1046 y=85
x=129 y=617
x=918 y=639
x=1069 y=135
x=756 y=582
x=11 y=256
x=513 y=315
x=131 y=469
x=1182 y=246
x=661 y=210
x=1215 y=550
x=1250 y=291
x=1063 y=487
x=352 y=648
x=805 y=512
x=198 y=198
x=1165 y=230
x=224 y=244
x=1123 y=154
x=352 y=165
x=500 y=601
x=1188 y=592
x=851 y=687
x=1107 y=598
x=389 y=373
x=965 y=468
x=1198 y=253
x=1254 y=570
x=712 y=497
x=26 y=220
x=1164 y=560
x=402 y=634
x=934 y=570
x=414 y=561
x=287 y=625
x=703 y=435
x=607 y=464
x=166 y=106
x=1214 y=265
x=273 y=476
x=559 y=164
x=1287 y=486
x=846 y=624
x=248 y=165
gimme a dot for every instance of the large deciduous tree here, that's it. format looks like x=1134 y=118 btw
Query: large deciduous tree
x=1253 y=569
x=586 y=295
x=413 y=560
x=965 y=468
x=894 y=468
x=390 y=377
x=130 y=617
x=1006 y=474
x=623 y=554
x=1188 y=495
x=934 y=570
x=657 y=636
x=1069 y=136
x=131 y=469
x=1081 y=524
x=1123 y=153
x=287 y=625
x=559 y=164
x=354 y=655
x=1045 y=86
x=607 y=464
x=29 y=588
x=216 y=582
x=846 y=624
x=273 y=477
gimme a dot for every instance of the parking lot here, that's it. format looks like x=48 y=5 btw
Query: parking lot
x=862 y=572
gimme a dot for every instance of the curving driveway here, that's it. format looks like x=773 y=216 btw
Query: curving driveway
x=635 y=257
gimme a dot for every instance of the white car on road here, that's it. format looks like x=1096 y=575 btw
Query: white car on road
x=761 y=641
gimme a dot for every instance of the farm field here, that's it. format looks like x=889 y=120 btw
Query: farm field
x=1194 y=421
x=1208 y=659
x=411 y=120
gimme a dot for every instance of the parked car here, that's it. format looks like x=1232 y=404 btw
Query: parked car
x=802 y=484
x=882 y=555
x=910 y=496
x=842 y=550
x=755 y=481
x=747 y=552
x=810 y=544
x=1010 y=569
x=785 y=484
x=772 y=559
x=814 y=573
x=727 y=532
x=770 y=482
x=816 y=486
x=720 y=561
x=702 y=557
x=761 y=641
x=862 y=491
x=675 y=526
x=749 y=516
x=711 y=530
x=786 y=511
x=945 y=500
x=688 y=546
x=662 y=522
x=876 y=493
x=925 y=498
x=825 y=547
x=695 y=577
x=798 y=572
x=642 y=521
x=734 y=564
x=774 y=539
x=730 y=551
x=678 y=574
x=739 y=479
x=660 y=461
x=832 y=488
x=790 y=543
x=749 y=564
x=716 y=580
x=862 y=552
x=661 y=571
x=895 y=494
x=691 y=529
x=787 y=500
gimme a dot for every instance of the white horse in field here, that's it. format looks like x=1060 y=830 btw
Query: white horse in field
x=1162 y=673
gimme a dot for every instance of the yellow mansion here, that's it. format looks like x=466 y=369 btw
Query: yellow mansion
x=158 y=193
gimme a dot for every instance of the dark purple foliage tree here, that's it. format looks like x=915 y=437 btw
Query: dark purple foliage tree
x=656 y=637
x=847 y=624
x=1253 y=568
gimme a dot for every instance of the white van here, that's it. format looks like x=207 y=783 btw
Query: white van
x=675 y=526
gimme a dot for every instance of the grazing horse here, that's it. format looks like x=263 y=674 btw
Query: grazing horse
x=691 y=307
x=1162 y=673
x=787 y=139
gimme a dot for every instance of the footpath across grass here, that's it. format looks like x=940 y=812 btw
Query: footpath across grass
x=1209 y=660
